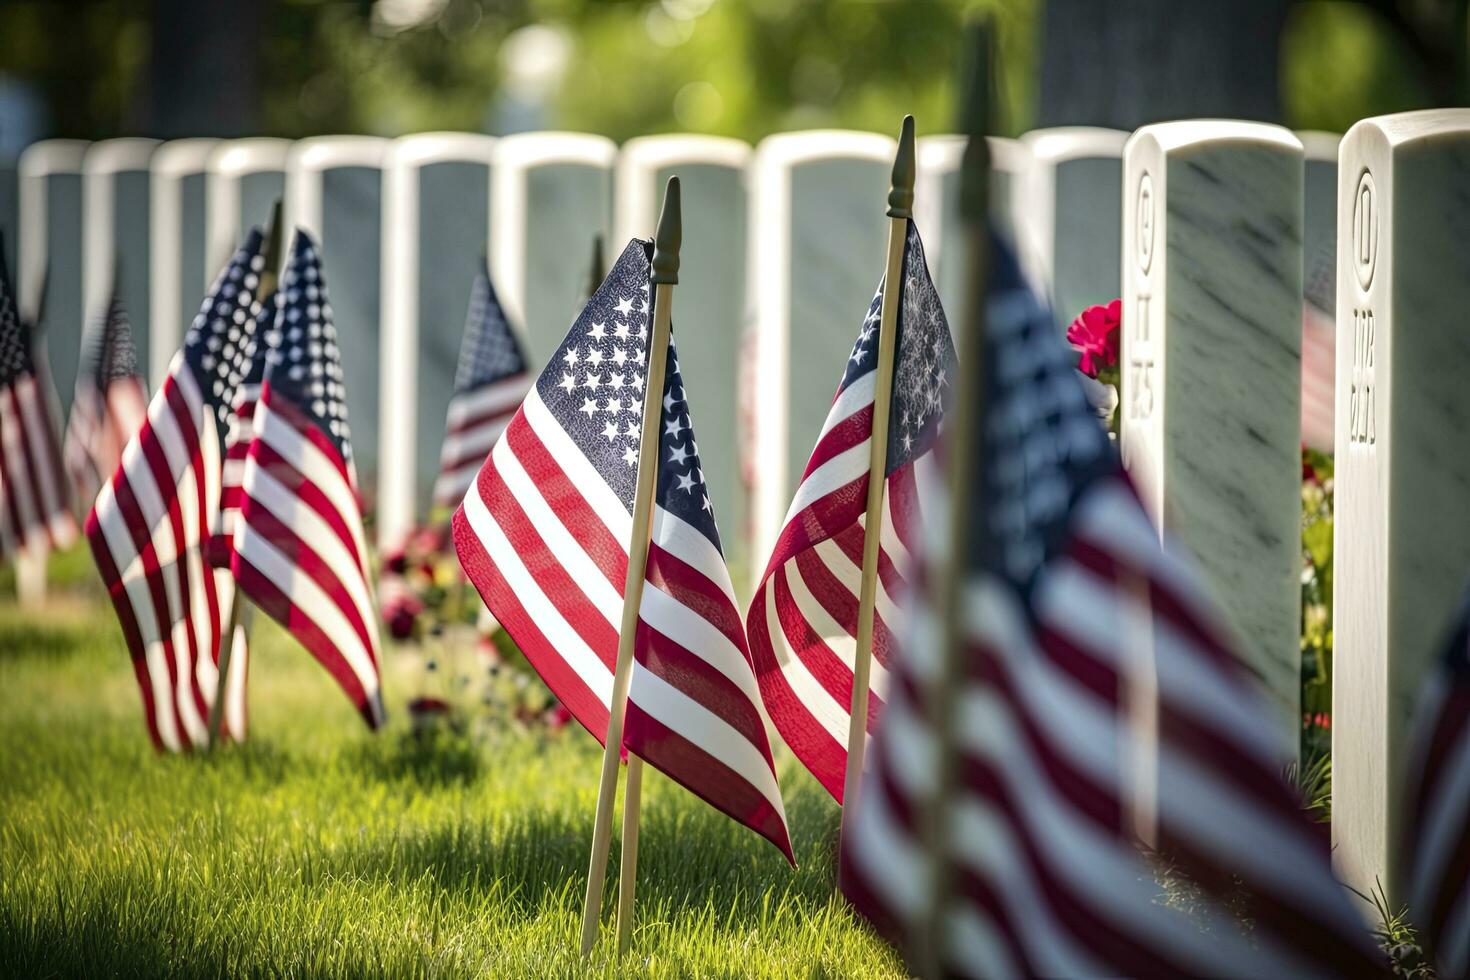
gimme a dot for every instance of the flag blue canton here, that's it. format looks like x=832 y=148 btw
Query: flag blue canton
x=114 y=356
x=490 y=350
x=1043 y=443
x=216 y=344
x=594 y=384
x=15 y=344
x=305 y=364
x=923 y=362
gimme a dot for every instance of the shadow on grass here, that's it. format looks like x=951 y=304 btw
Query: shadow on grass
x=432 y=759
x=24 y=637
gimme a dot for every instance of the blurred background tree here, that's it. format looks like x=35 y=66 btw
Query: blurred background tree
x=744 y=68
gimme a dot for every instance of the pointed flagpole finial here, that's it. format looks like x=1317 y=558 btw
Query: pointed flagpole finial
x=901 y=192
x=270 y=256
x=670 y=236
x=594 y=276
x=975 y=122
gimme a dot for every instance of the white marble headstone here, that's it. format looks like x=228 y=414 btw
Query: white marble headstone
x=115 y=241
x=1069 y=231
x=1402 y=537
x=937 y=207
x=549 y=195
x=246 y=177
x=49 y=254
x=178 y=278
x=1211 y=361
x=818 y=238
x=709 y=302
x=436 y=205
x=334 y=190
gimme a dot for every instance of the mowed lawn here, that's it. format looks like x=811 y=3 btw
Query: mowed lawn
x=318 y=849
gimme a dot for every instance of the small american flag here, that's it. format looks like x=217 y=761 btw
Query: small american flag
x=241 y=393
x=1319 y=349
x=150 y=526
x=1436 y=844
x=544 y=536
x=802 y=622
x=488 y=387
x=1095 y=698
x=34 y=512
x=108 y=407
x=299 y=551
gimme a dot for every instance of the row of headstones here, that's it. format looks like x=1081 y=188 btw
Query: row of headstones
x=1211 y=405
x=1206 y=222
x=787 y=233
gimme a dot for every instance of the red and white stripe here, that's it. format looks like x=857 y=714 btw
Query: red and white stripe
x=802 y=621
x=1059 y=761
x=34 y=511
x=100 y=424
x=545 y=539
x=238 y=437
x=1319 y=377
x=1436 y=842
x=147 y=532
x=476 y=420
x=299 y=551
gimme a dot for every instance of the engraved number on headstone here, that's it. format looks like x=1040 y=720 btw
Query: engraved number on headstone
x=1365 y=230
x=1140 y=363
x=1362 y=412
x=1145 y=223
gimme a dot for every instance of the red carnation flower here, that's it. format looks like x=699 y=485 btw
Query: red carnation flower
x=1096 y=336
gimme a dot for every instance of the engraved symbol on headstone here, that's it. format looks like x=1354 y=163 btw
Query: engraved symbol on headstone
x=1140 y=362
x=1145 y=223
x=1362 y=411
x=1365 y=230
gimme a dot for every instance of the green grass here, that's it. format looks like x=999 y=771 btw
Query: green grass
x=317 y=849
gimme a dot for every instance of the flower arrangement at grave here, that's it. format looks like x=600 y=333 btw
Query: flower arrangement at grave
x=468 y=674
x=1096 y=335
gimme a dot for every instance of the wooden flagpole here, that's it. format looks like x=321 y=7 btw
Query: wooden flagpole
x=900 y=210
x=239 y=608
x=597 y=272
x=665 y=276
x=963 y=448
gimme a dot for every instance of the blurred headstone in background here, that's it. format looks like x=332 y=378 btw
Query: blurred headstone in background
x=1319 y=288
x=1071 y=230
x=1210 y=363
x=115 y=240
x=937 y=206
x=246 y=178
x=550 y=193
x=436 y=205
x=709 y=303
x=49 y=257
x=334 y=190
x=818 y=244
x=177 y=274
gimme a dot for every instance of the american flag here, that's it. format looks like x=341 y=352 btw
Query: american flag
x=544 y=536
x=1319 y=349
x=1096 y=705
x=488 y=387
x=150 y=526
x=802 y=621
x=1436 y=844
x=299 y=551
x=34 y=512
x=108 y=407
x=238 y=418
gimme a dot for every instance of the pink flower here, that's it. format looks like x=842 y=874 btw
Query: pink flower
x=1096 y=335
x=557 y=717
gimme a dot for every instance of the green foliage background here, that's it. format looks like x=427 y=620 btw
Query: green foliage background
x=742 y=68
